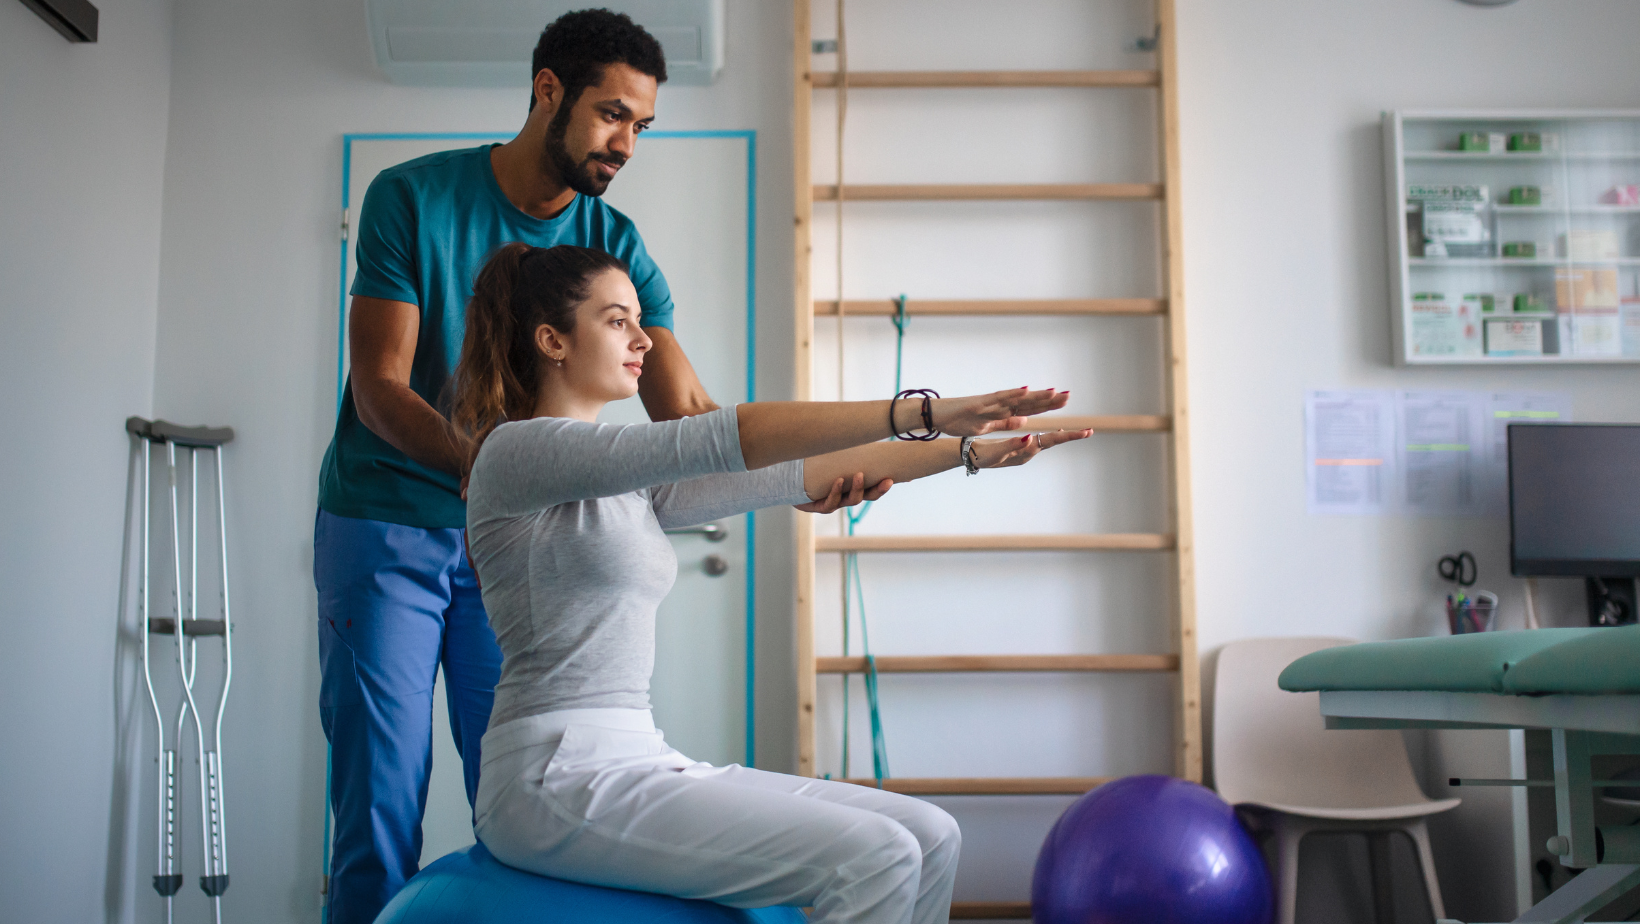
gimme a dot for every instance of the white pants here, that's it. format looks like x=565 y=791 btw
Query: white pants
x=596 y=796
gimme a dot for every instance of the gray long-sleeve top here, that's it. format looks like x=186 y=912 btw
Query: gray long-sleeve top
x=564 y=524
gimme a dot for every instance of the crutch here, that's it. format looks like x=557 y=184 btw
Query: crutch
x=185 y=632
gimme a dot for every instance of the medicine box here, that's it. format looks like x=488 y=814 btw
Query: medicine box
x=1589 y=245
x=1445 y=327
x=1508 y=337
x=1594 y=334
x=1577 y=288
x=1451 y=221
x=1629 y=317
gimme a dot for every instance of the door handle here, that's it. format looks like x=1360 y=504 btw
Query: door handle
x=713 y=532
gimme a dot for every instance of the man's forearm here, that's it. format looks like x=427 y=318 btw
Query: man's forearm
x=669 y=387
x=409 y=424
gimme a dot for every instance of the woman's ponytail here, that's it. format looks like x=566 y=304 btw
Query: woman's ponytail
x=519 y=289
x=487 y=387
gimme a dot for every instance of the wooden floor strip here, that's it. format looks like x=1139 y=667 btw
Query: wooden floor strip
x=961 y=192
x=990 y=911
x=1066 y=542
x=957 y=664
x=860 y=80
x=992 y=307
x=987 y=786
x=1107 y=423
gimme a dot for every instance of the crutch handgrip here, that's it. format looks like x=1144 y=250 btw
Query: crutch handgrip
x=168 y=885
x=164 y=431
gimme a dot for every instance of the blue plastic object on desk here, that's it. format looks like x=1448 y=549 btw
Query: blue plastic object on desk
x=472 y=887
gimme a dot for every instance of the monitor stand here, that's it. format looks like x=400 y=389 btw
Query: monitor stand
x=1611 y=600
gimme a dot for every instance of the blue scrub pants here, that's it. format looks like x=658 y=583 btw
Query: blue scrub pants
x=395 y=604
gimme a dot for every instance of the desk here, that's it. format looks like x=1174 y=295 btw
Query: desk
x=1583 y=686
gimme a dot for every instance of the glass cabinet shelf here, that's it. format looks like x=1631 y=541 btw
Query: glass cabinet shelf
x=1514 y=236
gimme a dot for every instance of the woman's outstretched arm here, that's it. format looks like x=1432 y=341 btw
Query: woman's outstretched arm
x=908 y=460
x=780 y=431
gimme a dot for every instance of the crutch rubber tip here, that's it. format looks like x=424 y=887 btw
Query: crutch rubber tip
x=168 y=885
x=213 y=885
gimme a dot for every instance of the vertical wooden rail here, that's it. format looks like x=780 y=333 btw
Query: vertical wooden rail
x=803 y=319
x=1188 y=757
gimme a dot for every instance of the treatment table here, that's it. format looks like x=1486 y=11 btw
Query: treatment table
x=1581 y=685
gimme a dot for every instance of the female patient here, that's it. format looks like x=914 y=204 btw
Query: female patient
x=564 y=521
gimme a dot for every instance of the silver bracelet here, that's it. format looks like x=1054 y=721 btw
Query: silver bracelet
x=966 y=450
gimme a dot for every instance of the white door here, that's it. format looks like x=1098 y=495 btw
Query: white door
x=690 y=195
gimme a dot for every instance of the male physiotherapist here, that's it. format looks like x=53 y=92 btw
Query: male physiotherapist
x=397 y=598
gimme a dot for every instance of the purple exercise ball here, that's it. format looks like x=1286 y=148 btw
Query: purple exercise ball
x=1150 y=850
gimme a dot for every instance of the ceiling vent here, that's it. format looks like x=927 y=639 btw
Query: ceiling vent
x=488 y=43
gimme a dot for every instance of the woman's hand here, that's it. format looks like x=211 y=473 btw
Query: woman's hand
x=1003 y=453
x=981 y=414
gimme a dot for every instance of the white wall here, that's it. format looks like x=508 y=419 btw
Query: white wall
x=82 y=141
x=1287 y=287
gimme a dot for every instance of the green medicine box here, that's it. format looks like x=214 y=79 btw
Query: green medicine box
x=1525 y=250
x=1526 y=301
x=1525 y=141
x=1525 y=195
x=1474 y=141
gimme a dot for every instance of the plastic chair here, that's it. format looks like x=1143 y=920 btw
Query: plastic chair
x=1275 y=760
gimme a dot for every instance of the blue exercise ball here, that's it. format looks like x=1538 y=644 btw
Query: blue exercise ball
x=1150 y=850
x=472 y=887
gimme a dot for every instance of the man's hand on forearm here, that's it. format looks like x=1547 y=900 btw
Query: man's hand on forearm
x=854 y=494
x=409 y=424
x=382 y=345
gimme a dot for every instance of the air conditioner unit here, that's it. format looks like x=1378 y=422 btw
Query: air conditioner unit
x=488 y=43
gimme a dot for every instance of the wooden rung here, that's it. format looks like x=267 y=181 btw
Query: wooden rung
x=946 y=192
x=958 y=79
x=947 y=664
x=1110 y=423
x=1069 y=542
x=165 y=625
x=986 y=307
x=987 y=786
x=990 y=911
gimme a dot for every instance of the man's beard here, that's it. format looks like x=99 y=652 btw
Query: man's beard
x=583 y=176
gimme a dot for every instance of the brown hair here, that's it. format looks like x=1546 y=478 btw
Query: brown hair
x=519 y=289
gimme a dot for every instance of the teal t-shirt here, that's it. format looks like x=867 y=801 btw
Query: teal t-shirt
x=425 y=230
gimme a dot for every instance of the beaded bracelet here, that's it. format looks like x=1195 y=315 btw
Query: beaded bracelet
x=927 y=395
x=969 y=460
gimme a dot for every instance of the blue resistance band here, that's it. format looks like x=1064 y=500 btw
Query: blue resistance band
x=854 y=594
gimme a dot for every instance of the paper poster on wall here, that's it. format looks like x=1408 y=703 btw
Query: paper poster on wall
x=1425 y=453
x=1439 y=446
x=1503 y=409
x=1349 y=439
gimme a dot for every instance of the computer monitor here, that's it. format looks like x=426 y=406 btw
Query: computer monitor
x=1574 y=510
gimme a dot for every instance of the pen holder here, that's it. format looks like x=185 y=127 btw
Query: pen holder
x=1473 y=615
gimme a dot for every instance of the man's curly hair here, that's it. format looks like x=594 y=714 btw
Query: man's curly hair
x=578 y=45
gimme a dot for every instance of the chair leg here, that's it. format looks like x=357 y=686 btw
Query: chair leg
x=1380 y=867
x=1288 y=836
x=1419 y=832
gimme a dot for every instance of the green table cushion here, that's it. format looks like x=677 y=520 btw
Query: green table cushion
x=1606 y=661
x=1476 y=663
